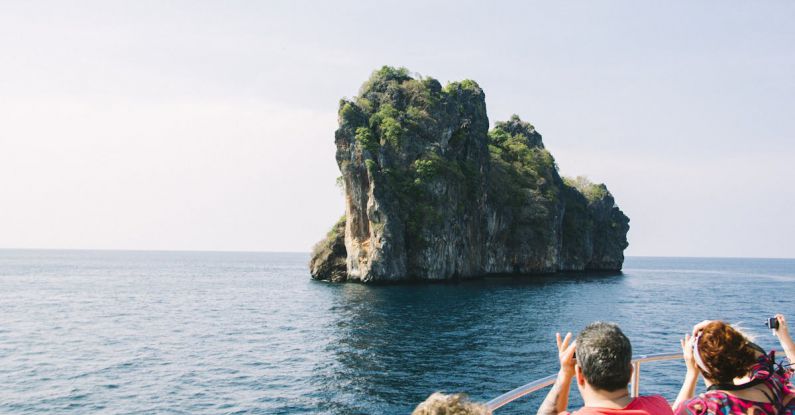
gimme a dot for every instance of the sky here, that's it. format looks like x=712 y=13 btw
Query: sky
x=191 y=125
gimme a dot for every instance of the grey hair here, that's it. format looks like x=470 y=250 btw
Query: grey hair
x=604 y=354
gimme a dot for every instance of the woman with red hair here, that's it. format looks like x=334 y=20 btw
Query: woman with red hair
x=740 y=377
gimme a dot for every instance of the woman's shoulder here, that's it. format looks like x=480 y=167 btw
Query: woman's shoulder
x=768 y=370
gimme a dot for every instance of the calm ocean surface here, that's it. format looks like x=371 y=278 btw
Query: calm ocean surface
x=211 y=333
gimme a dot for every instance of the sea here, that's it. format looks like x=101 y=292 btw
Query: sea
x=127 y=332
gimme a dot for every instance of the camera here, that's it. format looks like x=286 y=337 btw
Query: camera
x=772 y=323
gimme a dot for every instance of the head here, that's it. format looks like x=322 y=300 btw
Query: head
x=457 y=404
x=725 y=352
x=604 y=357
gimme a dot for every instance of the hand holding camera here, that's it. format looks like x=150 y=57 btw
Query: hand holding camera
x=778 y=325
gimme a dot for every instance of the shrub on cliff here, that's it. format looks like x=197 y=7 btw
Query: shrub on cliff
x=592 y=191
x=520 y=164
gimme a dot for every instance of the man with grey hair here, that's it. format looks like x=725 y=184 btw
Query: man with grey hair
x=602 y=365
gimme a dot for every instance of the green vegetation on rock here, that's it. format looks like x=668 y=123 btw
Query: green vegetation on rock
x=366 y=139
x=593 y=192
x=521 y=166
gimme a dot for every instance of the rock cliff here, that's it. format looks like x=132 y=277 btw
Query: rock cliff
x=432 y=194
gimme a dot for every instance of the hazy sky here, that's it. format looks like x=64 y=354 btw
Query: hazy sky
x=210 y=125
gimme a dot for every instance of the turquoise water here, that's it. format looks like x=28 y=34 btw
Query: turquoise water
x=209 y=333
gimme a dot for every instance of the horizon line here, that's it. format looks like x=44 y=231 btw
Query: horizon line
x=222 y=251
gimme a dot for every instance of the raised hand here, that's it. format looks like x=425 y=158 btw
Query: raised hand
x=688 y=389
x=557 y=399
x=566 y=353
x=687 y=350
x=782 y=331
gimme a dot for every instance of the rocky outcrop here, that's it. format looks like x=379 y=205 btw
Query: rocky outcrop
x=432 y=194
x=328 y=255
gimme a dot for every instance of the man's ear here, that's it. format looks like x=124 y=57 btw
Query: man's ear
x=580 y=376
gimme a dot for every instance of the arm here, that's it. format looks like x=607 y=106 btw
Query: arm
x=783 y=336
x=558 y=398
x=688 y=389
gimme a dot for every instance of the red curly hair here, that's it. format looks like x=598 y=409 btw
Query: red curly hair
x=726 y=353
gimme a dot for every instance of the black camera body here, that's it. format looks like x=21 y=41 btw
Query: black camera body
x=772 y=323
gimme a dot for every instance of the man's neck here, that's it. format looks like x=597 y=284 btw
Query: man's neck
x=596 y=398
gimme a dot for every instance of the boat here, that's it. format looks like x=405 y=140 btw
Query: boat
x=544 y=382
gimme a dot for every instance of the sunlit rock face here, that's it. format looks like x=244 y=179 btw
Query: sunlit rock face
x=432 y=194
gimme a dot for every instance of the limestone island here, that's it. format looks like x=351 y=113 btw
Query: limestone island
x=432 y=194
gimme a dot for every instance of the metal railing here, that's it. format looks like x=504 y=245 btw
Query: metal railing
x=542 y=383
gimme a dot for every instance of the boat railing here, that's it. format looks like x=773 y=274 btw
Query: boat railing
x=542 y=383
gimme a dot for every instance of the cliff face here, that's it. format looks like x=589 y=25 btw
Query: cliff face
x=432 y=194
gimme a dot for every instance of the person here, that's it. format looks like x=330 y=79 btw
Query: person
x=740 y=377
x=456 y=404
x=602 y=366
